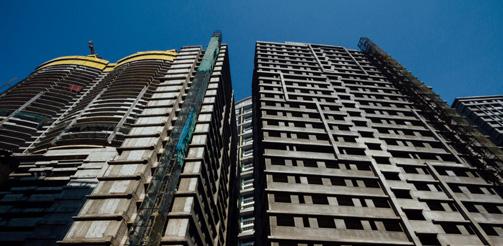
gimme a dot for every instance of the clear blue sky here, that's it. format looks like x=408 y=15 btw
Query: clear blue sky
x=454 y=46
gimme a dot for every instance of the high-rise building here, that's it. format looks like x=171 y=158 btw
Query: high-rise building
x=244 y=117
x=486 y=112
x=350 y=148
x=134 y=152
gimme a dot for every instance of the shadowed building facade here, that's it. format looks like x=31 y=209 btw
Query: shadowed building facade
x=350 y=148
x=244 y=117
x=84 y=138
x=486 y=112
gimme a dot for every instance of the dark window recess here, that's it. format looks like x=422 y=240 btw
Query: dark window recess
x=360 y=123
x=366 y=134
x=435 y=206
x=319 y=199
x=280 y=178
x=305 y=221
x=282 y=197
x=428 y=239
x=314 y=180
x=414 y=214
x=409 y=169
x=353 y=224
x=371 y=183
x=345 y=201
x=277 y=161
x=285 y=220
x=450 y=228
x=392 y=226
x=381 y=203
x=326 y=222
x=471 y=208
x=454 y=188
x=338 y=181
x=421 y=186
x=310 y=163
x=475 y=189
x=489 y=230
x=301 y=199
x=391 y=175
x=402 y=193
x=373 y=146
x=493 y=209
x=382 y=160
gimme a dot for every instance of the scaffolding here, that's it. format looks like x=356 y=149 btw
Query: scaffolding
x=152 y=214
x=475 y=148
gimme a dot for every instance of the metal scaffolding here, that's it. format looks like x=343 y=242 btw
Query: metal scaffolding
x=153 y=212
x=472 y=145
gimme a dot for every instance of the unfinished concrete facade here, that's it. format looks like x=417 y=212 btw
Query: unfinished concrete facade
x=244 y=117
x=486 y=112
x=345 y=156
x=83 y=175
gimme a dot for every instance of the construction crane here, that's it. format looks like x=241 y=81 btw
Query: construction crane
x=152 y=214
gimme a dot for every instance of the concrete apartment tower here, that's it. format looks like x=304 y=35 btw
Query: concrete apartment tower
x=486 y=112
x=350 y=148
x=141 y=151
x=246 y=202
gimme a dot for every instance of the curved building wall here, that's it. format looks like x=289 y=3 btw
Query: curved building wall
x=53 y=178
x=104 y=118
x=27 y=109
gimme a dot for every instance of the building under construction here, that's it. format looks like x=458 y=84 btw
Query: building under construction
x=138 y=152
x=351 y=149
x=485 y=112
x=246 y=203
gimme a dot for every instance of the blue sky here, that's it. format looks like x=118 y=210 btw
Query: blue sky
x=454 y=46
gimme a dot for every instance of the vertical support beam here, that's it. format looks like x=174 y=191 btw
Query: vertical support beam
x=395 y=205
x=285 y=92
x=327 y=129
x=357 y=63
x=478 y=229
x=317 y=59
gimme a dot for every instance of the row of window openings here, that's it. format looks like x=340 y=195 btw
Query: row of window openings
x=331 y=200
x=329 y=109
x=388 y=175
x=317 y=180
x=360 y=88
x=339 y=223
x=310 y=125
x=333 y=164
x=279 y=65
x=380 y=97
x=284 y=61
x=294 y=72
x=358 y=151
x=334 y=100
x=301 y=98
x=467 y=189
x=352 y=139
x=378 y=202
